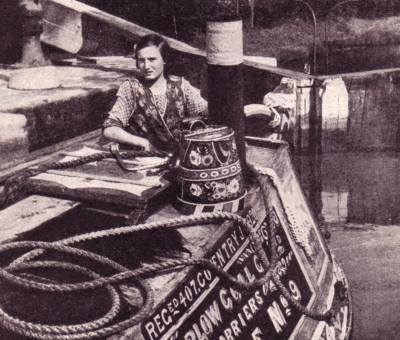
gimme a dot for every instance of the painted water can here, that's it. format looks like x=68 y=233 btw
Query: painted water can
x=209 y=175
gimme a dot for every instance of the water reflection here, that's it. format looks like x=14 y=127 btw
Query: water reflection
x=353 y=187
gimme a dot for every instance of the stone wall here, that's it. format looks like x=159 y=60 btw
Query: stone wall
x=30 y=120
x=67 y=119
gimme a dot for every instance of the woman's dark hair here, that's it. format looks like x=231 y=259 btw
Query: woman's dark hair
x=157 y=41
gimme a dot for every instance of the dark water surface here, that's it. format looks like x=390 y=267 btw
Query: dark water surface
x=357 y=197
x=353 y=187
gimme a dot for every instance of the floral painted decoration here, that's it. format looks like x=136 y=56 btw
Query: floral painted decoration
x=195 y=190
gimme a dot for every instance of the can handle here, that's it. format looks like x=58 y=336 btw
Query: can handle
x=196 y=124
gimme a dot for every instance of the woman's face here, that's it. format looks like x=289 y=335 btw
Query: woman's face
x=150 y=62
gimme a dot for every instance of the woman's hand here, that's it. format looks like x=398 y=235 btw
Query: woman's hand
x=119 y=135
x=148 y=146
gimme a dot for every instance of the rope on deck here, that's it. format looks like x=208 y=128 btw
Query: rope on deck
x=102 y=327
x=15 y=188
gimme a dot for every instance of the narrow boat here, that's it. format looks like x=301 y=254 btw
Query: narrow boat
x=191 y=277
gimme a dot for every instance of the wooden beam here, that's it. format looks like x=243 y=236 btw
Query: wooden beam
x=276 y=70
x=360 y=74
x=132 y=29
x=112 y=179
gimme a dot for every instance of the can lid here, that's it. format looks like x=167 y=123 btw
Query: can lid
x=210 y=133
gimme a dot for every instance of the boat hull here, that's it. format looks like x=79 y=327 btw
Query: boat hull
x=196 y=303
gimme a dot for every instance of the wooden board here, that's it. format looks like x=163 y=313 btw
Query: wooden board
x=128 y=28
x=103 y=182
x=53 y=186
x=62 y=27
x=30 y=213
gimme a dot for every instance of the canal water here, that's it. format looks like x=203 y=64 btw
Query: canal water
x=358 y=188
x=356 y=197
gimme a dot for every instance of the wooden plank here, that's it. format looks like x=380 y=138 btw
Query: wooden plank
x=30 y=213
x=359 y=74
x=70 y=173
x=81 y=189
x=276 y=70
x=129 y=28
x=62 y=27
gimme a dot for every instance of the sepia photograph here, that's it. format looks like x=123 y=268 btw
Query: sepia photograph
x=200 y=169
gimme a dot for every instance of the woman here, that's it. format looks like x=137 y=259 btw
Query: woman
x=149 y=109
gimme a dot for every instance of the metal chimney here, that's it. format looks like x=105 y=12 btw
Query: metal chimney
x=224 y=41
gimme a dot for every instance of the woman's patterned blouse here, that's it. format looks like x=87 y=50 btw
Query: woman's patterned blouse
x=156 y=117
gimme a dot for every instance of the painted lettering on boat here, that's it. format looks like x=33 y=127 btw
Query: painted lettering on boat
x=205 y=308
x=245 y=310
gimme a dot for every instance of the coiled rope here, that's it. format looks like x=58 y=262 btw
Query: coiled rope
x=102 y=327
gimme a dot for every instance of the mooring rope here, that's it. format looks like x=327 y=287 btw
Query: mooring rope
x=101 y=327
x=83 y=327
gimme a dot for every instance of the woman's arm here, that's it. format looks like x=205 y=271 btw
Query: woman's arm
x=196 y=105
x=118 y=118
x=118 y=134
